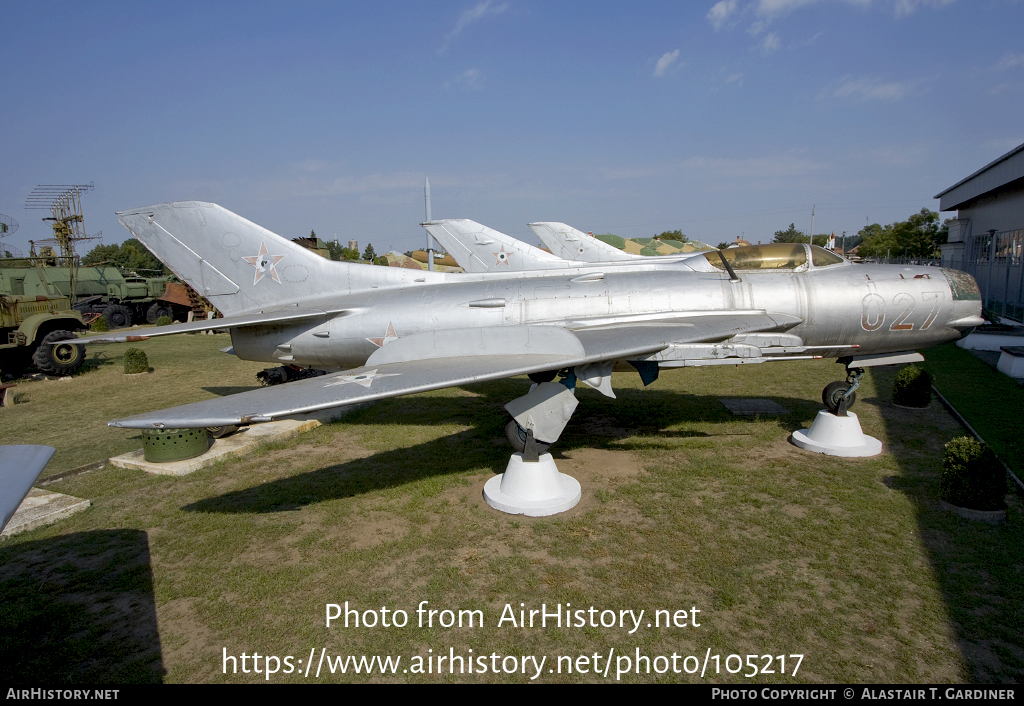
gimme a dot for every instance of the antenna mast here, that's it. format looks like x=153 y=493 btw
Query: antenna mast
x=64 y=201
x=430 y=239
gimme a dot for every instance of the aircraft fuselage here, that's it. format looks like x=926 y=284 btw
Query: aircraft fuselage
x=878 y=308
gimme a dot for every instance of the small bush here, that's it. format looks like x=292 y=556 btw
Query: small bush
x=164 y=321
x=972 y=476
x=913 y=387
x=135 y=361
x=100 y=325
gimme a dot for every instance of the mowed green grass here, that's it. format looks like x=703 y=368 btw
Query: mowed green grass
x=71 y=414
x=848 y=562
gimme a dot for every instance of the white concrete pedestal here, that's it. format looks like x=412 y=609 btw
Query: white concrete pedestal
x=532 y=489
x=837 y=436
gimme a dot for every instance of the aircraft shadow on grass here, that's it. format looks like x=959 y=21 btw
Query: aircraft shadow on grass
x=225 y=391
x=638 y=419
x=977 y=565
x=79 y=609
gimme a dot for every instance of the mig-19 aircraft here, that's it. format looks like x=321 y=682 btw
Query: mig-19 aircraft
x=394 y=331
x=478 y=248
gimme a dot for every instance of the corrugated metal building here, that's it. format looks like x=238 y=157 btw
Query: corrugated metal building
x=987 y=238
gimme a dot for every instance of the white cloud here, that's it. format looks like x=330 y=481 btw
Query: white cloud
x=665 y=62
x=468 y=17
x=719 y=14
x=770 y=43
x=470 y=79
x=735 y=78
x=1009 y=61
x=774 y=8
x=865 y=88
x=766 y=11
x=907 y=7
x=755 y=167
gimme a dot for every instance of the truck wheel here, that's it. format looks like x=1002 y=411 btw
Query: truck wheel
x=158 y=309
x=117 y=316
x=62 y=359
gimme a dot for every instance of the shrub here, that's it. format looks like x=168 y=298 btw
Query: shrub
x=164 y=321
x=972 y=476
x=100 y=325
x=135 y=361
x=913 y=387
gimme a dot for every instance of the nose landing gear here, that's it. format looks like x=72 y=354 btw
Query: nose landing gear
x=835 y=431
x=840 y=395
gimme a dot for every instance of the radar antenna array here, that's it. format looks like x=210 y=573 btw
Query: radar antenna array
x=64 y=201
x=7 y=227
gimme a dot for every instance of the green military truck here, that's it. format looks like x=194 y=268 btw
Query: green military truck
x=122 y=300
x=28 y=327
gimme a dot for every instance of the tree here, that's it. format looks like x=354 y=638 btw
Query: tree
x=672 y=235
x=918 y=236
x=131 y=255
x=792 y=235
x=369 y=253
x=334 y=249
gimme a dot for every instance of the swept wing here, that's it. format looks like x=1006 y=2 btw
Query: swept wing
x=434 y=360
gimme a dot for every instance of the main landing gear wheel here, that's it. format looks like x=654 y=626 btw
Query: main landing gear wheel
x=219 y=432
x=545 y=376
x=834 y=394
x=517 y=437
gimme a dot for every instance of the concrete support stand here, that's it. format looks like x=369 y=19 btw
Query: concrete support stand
x=532 y=489
x=837 y=436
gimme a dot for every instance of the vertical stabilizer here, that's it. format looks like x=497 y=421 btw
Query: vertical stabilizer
x=478 y=248
x=242 y=267
x=571 y=244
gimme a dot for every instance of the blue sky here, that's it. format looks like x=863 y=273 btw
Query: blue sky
x=719 y=118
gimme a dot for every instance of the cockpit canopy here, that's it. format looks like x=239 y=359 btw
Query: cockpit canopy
x=773 y=256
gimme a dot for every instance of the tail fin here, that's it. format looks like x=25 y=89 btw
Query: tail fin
x=571 y=244
x=481 y=249
x=241 y=267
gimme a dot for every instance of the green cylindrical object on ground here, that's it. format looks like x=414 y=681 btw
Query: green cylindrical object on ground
x=164 y=445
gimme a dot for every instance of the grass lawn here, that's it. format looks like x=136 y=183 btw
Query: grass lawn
x=991 y=402
x=848 y=562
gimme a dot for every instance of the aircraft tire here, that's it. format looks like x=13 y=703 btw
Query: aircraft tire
x=218 y=432
x=834 y=392
x=517 y=438
x=544 y=376
x=117 y=316
x=63 y=359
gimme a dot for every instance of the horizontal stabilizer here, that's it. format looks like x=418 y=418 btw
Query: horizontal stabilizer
x=287 y=315
x=20 y=466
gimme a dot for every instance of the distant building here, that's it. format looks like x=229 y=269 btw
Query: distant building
x=353 y=245
x=987 y=237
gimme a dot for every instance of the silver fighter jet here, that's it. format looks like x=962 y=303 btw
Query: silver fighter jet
x=393 y=331
x=478 y=248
